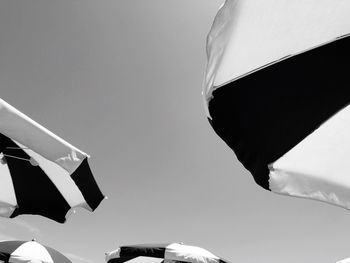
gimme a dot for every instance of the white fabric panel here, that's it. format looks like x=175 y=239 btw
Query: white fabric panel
x=24 y=130
x=319 y=166
x=8 y=199
x=347 y=260
x=248 y=34
x=216 y=43
x=112 y=254
x=191 y=254
x=146 y=260
x=31 y=252
x=62 y=180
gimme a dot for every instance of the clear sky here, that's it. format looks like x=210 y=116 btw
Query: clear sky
x=121 y=80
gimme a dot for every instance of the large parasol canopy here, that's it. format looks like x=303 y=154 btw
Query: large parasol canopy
x=277 y=92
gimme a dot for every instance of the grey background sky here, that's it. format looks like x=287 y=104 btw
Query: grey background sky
x=121 y=80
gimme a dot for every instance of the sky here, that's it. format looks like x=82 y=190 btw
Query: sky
x=122 y=80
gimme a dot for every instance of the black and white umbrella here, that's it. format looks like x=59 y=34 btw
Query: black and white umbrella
x=169 y=253
x=277 y=93
x=29 y=252
x=40 y=173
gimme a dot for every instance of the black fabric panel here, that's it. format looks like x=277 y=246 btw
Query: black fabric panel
x=85 y=181
x=121 y=260
x=4 y=257
x=263 y=115
x=35 y=192
x=155 y=250
x=4 y=141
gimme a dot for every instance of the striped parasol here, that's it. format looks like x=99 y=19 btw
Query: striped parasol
x=169 y=253
x=40 y=173
x=29 y=252
x=276 y=91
